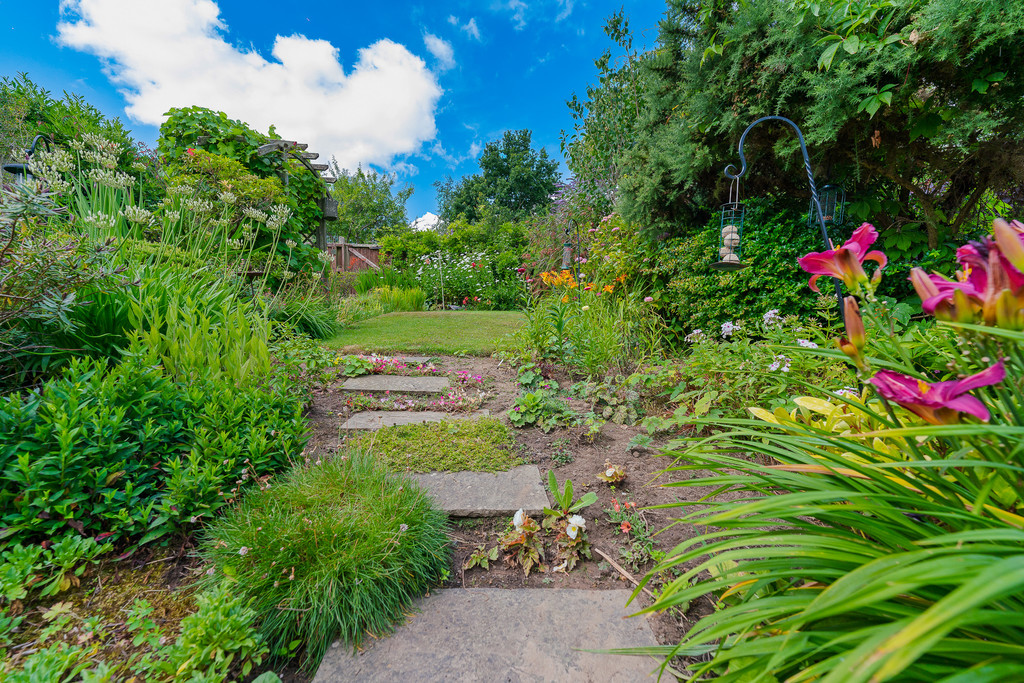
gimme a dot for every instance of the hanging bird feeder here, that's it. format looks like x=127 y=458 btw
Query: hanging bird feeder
x=731 y=231
x=833 y=207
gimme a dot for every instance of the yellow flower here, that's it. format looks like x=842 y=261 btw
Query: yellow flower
x=609 y=288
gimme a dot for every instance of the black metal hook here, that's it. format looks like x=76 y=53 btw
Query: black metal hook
x=810 y=179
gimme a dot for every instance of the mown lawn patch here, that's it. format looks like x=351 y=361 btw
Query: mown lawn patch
x=482 y=445
x=431 y=332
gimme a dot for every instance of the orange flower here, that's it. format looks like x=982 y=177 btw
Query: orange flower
x=609 y=288
x=565 y=299
x=621 y=278
x=625 y=527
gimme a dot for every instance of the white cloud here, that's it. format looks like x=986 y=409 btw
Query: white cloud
x=469 y=28
x=518 y=9
x=427 y=221
x=454 y=160
x=566 y=6
x=173 y=53
x=442 y=51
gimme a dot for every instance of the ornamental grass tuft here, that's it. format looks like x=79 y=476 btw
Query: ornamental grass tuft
x=332 y=551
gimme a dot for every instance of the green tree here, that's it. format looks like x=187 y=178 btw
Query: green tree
x=914 y=105
x=368 y=205
x=514 y=181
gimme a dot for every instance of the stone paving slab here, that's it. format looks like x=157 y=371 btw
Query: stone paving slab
x=396 y=383
x=410 y=360
x=486 y=494
x=529 y=635
x=375 y=419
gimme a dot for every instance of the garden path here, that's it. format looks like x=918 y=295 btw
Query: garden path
x=498 y=624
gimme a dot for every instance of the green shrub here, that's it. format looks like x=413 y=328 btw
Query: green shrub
x=335 y=550
x=132 y=453
x=693 y=296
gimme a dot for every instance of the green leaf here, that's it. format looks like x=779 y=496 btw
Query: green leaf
x=825 y=60
x=852 y=44
x=997 y=76
x=980 y=86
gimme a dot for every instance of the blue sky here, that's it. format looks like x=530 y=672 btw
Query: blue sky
x=411 y=88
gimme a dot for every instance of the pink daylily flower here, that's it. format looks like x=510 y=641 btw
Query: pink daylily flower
x=846 y=261
x=939 y=402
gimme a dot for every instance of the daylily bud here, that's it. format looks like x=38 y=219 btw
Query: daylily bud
x=963 y=308
x=854 y=323
x=923 y=284
x=1008 y=311
x=1010 y=242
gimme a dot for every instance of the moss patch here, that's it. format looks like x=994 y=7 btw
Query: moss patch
x=480 y=445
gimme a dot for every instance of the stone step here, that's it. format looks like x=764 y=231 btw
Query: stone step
x=376 y=419
x=529 y=635
x=486 y=494
x=398 y=384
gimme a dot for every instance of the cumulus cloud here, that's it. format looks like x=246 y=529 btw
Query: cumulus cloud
x=442 y=51
x=173 y=53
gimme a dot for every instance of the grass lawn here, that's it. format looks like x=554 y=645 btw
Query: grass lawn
x=431 y=332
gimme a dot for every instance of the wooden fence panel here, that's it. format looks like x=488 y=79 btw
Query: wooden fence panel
x=351 y=258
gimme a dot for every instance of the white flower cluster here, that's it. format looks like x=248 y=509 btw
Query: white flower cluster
x=772 y=318
x=781 y=364
x=728 y=328
x=172 y=216
x=806 y=343
x=115 y=180
x=255 y=214
x=99 y=221
x=279 y=215
x=138 y=166
x=695 y=336
x=198 y=205
x=290 y=244
x=137 y=214
x=101 y=159
x=227 y=197
x=324 y=257
x=101 y=144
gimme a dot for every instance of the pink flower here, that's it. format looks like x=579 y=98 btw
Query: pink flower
x=648 y=298
x=846 y=261
x=940 y=402
x=625 y=527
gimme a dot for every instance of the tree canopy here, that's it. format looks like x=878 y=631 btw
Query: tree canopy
x=915 y=106
x=368 y=205
x=515 y=180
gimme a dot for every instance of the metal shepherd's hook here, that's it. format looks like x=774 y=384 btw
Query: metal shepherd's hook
x=810 y=179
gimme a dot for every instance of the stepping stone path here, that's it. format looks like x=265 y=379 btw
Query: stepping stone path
x=486 y=494
x=530 y=635
x=376 y=419
x=399 y=384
